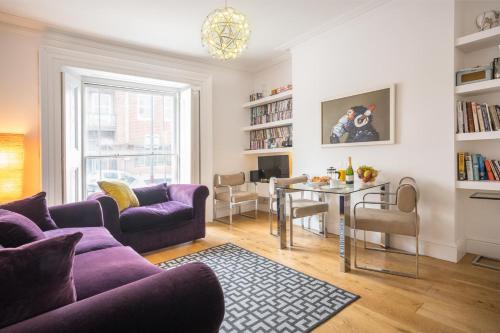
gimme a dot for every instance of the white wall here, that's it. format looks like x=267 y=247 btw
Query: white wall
x=409 y=43
x=19 y=96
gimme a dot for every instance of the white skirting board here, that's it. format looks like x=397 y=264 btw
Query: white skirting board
x=487 y=249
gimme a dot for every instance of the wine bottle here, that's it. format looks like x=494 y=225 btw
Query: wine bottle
x=349 y=173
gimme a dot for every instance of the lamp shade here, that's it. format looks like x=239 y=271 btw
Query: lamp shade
x=11 y=166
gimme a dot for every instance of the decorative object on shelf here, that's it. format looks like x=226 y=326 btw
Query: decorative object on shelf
x=256 y=96
x=474 y=74
x=11 y=166
x=367 y=174
x=496 y=68
x=360 y=119
x=488 y=19
x=281 y=89
x=225 y=33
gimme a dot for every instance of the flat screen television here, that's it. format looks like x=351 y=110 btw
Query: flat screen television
x=274 y=166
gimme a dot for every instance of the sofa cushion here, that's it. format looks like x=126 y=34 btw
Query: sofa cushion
x=94 y=238
x=170 y=213
x=120 y=192
x=35 y=208
x=98 y=271
x=36 y=278
x=17 y=230
x=151 y=195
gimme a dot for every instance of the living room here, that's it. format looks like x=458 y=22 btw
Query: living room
x=249 y=166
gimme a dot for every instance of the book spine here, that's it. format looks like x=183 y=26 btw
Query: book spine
x=461 y=167
x=460 y=118
x=489 y=172
x=495 y=122
x=468 y=167
x=475 y=167
x=482 y=169
x=496 y=168
x=470 y=118
x=486 y=115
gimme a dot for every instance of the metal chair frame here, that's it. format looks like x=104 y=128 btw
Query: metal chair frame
x=233 y=204
x=402 y=182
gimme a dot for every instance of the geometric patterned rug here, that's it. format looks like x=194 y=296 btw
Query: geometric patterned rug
x=262 y=295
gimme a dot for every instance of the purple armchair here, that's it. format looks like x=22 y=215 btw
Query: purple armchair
x=168 y=215
x=119 y=291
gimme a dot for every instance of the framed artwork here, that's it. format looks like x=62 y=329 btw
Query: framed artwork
x=364 y=118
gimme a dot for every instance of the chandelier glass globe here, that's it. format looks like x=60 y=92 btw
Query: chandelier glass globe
x=225 y=33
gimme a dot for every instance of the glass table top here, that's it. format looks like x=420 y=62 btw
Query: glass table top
x=326 y=188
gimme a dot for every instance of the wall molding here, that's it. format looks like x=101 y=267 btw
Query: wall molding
x=479 y=247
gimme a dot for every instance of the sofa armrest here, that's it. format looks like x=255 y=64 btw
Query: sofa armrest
x=110 y=213
x=184 y=299
x=190 y=194
x=78 y=214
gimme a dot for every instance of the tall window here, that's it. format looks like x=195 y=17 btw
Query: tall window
x=130 y=136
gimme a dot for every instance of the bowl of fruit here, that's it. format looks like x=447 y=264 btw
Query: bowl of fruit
x=367 y=174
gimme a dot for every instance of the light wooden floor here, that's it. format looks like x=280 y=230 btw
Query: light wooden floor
x=447 y=298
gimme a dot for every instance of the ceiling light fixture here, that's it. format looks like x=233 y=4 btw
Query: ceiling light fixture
x=225 y=33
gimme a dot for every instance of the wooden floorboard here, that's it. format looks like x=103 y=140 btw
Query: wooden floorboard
x=447 y=298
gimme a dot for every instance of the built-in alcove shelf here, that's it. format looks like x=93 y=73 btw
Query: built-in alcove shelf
x=272 y=124
x=268 y=151
x=491 y=135
x=269 y=99
x=478 y=88
x=484 y=185
x=479 y=40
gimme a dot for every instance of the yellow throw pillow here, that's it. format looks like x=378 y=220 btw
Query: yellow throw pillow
x=121 y=192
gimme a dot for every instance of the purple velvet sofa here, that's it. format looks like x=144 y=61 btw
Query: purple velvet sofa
x=168 y=215
x=119 y=291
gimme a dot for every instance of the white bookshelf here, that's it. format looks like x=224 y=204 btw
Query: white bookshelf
x=267 y=151
x=479 y=40
x=483 y=185
x=478 y=88
x=272 y=124
x=491 y=135
x=269 y=99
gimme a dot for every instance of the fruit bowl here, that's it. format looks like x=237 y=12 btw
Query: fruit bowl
x=367 y=174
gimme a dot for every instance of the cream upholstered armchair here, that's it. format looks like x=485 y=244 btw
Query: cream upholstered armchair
x=227 y=189
x=297 y=208
x=404 y=220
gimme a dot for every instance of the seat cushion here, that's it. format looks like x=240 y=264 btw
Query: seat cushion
x=98 y=271
x=169 y=213
x=17 y=230
x=94 y=238
x=36 y=278
x=304 y=207
x=237 y=196
x=35 y=208
x=387 y=221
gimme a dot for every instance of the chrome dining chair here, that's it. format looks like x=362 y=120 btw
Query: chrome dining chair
x=296 y=208
x=404 y=220
x=227 y=189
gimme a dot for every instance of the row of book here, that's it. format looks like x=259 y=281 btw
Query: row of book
x=477 y=117
x=477 y=167
x=271 y=112
x=271 y=138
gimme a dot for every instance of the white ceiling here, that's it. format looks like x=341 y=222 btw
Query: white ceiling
x=174 y=26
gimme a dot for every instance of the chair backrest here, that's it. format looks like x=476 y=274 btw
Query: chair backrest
x=407 y=197
x=285 y=181
x=234 y=179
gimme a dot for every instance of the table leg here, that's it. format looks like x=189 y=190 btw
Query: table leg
x=385 y=239
x=345 y=232
x=281 y=198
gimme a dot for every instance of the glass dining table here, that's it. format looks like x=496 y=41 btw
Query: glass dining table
x=343 y=192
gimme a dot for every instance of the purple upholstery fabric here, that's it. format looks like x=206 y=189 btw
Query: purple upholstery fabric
x=151 y=195
x=34 y=208
x=148 y=239
x=36 y=278
x=99 y=271
x=170 y=213
x=17 y=230
x=94 y=238
x=184 y=299
x=78 y=214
